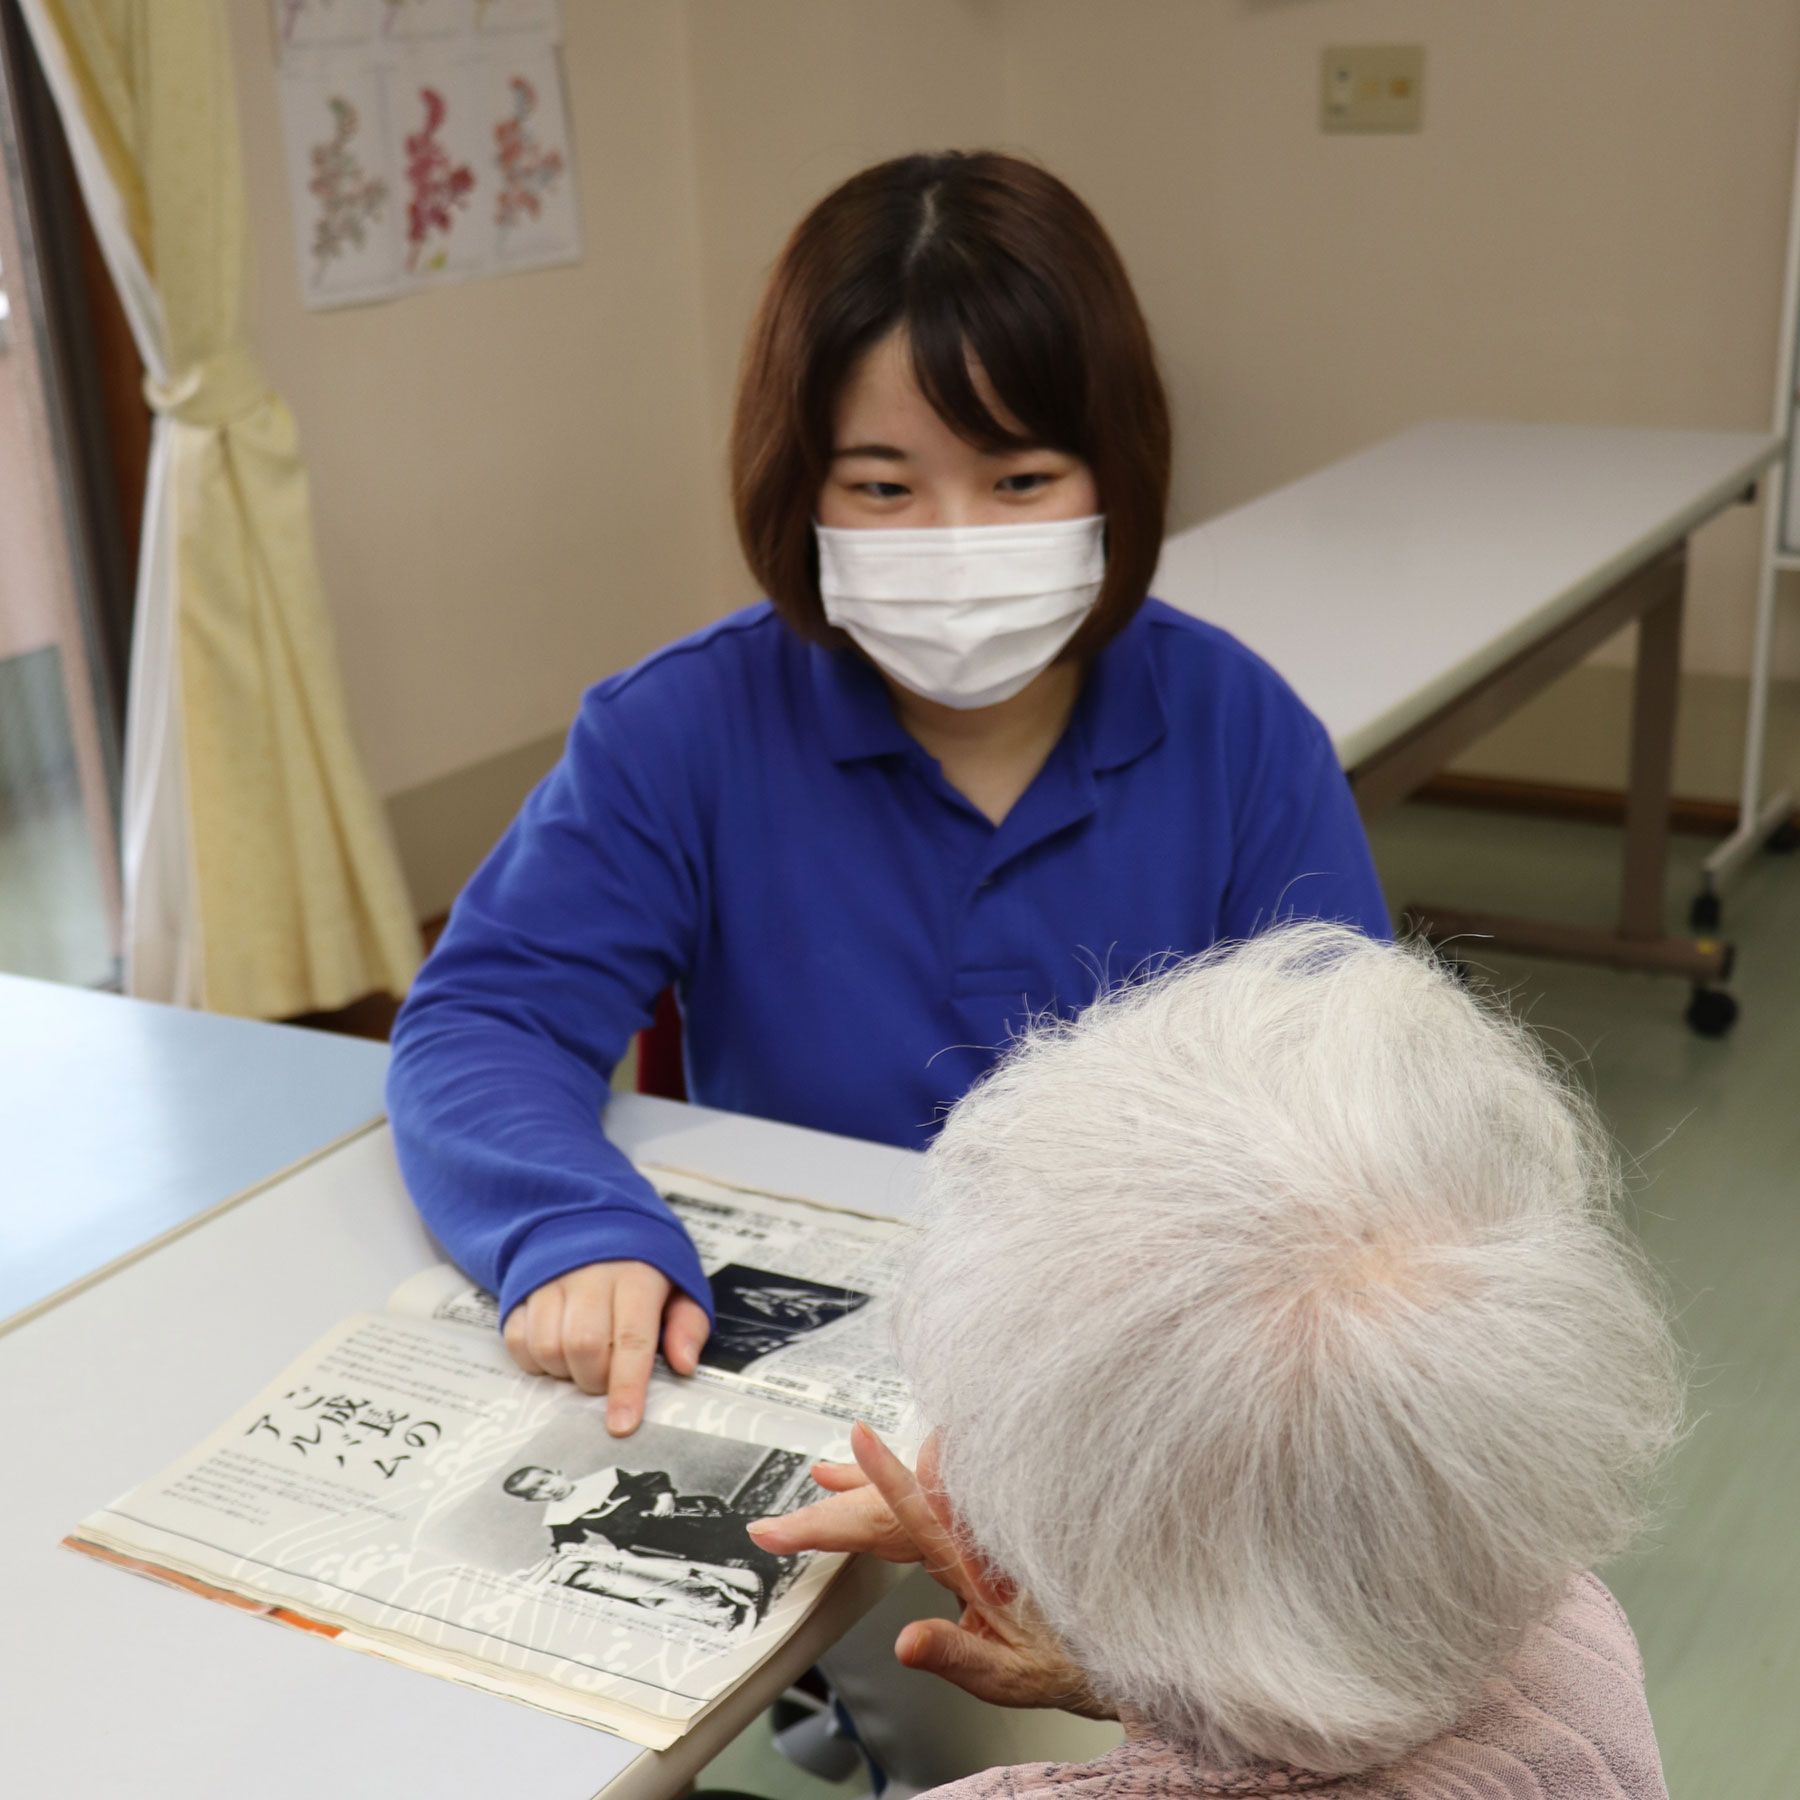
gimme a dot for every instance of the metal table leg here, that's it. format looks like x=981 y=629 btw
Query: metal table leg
x=1654 y=596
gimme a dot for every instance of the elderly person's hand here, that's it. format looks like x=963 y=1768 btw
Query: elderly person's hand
x=1000 y=1650
x=856 y=1520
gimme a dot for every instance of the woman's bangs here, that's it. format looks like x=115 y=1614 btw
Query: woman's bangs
x=1028 y=353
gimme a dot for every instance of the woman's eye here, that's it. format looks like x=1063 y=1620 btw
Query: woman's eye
x=882 y=490
x=1022 y=484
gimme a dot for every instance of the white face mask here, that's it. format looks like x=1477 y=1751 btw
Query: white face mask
x=964 y=615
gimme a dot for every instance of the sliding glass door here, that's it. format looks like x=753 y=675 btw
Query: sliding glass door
x=59 y=886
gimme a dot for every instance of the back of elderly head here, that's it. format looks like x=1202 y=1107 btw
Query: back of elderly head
x=1284 y=1347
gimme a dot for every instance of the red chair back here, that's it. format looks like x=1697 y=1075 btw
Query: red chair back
x=659 y=1069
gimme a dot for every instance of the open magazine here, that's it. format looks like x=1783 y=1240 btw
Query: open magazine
x=405 y=1489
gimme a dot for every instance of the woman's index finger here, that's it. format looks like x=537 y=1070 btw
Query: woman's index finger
x=638 y=1299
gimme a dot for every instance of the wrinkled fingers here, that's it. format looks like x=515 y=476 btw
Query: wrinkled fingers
x=978 y=1665
x=857 y=1523
x=899 y=1487
x=838 y=1478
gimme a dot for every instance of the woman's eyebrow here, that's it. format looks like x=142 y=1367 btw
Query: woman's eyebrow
x=886 y=452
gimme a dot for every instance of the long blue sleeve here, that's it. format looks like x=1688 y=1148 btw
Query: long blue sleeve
x=553 y=958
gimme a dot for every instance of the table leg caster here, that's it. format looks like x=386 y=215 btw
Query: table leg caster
x=1711 y=1012
x=1705 y=913
x=1784 y=839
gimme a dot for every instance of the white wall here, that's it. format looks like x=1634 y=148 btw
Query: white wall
x=1590 y=226
x=789 y=98
x=507 y=475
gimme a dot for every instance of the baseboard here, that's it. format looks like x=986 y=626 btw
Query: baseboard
x=1557 y=800
x=1576 y=734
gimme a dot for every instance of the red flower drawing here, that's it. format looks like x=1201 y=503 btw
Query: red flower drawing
x=437 y=184
x=527 y=170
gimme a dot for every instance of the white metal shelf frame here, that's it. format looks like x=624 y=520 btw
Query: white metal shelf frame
x=1760 y=818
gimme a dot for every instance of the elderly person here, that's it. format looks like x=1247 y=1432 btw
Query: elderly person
x=1302 y=1479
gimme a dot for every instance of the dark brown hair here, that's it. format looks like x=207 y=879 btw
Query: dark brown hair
x=974 y=254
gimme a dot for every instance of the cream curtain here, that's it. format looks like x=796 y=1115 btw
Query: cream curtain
x=259 y=877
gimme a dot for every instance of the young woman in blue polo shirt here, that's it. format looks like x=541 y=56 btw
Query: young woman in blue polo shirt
x=955 y=770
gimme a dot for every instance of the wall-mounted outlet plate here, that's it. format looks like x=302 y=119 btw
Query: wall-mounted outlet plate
x=1372 y=87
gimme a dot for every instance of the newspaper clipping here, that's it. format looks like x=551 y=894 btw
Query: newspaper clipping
x=405 y=1483
x=801 y=1293
x=406 y=1488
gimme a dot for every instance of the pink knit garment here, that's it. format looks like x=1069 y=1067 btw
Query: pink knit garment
x=1568 y=1721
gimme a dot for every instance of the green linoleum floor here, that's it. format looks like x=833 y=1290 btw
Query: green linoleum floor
x=752 y=1765
x=1714 y=1128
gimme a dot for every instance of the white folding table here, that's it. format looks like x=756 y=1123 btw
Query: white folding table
x=122 y=1122
x=1419 y=592
x=112 y=1685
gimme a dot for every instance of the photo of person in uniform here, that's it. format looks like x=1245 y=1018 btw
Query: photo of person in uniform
x=632 y=1535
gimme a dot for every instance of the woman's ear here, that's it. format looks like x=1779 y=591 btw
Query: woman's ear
x=994 y=1588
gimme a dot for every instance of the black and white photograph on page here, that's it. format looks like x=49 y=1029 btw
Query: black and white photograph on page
x=657 y=1522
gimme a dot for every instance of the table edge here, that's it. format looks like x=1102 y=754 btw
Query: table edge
x=1377 y=734
x=647 y=1774
x=857 y=1588
x=93 y=1277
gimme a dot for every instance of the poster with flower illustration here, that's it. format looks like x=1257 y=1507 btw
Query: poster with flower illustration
x=533 y=200
x=439 y=137
x=427 y=142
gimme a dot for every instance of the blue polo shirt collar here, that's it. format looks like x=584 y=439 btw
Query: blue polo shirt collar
x=1120 y=715
x=854 y=714
x=1118 y=718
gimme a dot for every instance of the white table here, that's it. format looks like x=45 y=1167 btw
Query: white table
x=113 y=1686
x=122 y=1122
x=1419 y=592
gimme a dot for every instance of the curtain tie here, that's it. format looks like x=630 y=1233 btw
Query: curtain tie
x=213 y=391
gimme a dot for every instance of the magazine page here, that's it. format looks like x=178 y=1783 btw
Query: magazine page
x=406 y=1483
x=801 y=1291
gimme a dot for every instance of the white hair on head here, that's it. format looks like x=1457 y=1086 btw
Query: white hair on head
x=1284 y=1346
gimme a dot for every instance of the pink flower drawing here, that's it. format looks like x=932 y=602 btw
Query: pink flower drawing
x=527 y=170
x=348 y=198
x=438 y=185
